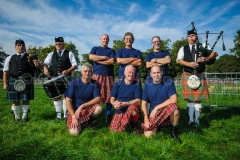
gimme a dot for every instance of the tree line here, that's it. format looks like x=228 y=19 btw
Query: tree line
x=226 y=63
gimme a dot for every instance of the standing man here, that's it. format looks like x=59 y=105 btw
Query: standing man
x=126 y=97
x=158 y=57
x=63 y=62
x=162 y=96
x=103 y=58
x=82 y=99
x=193 y=59
x=17 y=70
x=128 y=55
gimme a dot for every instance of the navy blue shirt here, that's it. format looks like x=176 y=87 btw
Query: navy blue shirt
x=126 y=92
x=101 y=69
x=81 y=93
x=156 y=94
x=127 y=53
x=161 y=54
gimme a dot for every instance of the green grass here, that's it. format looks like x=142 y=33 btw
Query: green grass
x=45 y=138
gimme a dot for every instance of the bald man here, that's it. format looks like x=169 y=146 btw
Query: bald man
x=104 y=58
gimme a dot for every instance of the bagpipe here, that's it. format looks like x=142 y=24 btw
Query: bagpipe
x=205 y=49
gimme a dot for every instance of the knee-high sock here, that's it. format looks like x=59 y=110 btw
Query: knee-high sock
x=108 y=108
x=16 y=111
x=25 y=109
x=191 y=111
x=197 y=106
x=64 y=108
x=58 y=106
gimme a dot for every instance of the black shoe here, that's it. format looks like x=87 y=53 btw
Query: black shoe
x=25 y=120
x=109 y=118
x=189 y=124
x=137 y=127
x=174 y=134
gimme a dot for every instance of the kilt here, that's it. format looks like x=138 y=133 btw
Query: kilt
x=161 y=118
x=195 y=95
x=121 y=120
x=13 y=95
x=106 y=84
x=83 y=116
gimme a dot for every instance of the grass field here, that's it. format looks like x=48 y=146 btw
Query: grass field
x=43 y=137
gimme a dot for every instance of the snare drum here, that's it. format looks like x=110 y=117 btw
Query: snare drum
x=56 y=87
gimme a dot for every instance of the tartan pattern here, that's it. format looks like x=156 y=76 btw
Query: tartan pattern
x=195 y=95
x=83 y=116
x=106 y=84
x=161 y=118
x=13 y=95
x=121 y=120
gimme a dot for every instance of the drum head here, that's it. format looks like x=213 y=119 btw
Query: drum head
x=193 y=82
x=19 y=85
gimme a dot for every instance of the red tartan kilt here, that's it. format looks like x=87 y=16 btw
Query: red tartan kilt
x=162 y=117
x=195 y=95
x=106 y=84
x=84 y=115
x=121 y=120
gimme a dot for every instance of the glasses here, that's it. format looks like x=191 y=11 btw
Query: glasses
x=156 y=42
x=58 y=44
x=23 y=45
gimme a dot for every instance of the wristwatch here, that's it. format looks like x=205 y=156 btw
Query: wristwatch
x=206 y=59
x=155 y=60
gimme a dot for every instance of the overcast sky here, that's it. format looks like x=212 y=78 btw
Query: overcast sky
x=82 y=22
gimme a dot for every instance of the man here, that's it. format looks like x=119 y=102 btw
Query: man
x=17 y=68
x=63 y=62
x=82 y=100
x=103 y=58
x=162 y=96
x=128 y=55
x=193 y=58
x=125 y=97
x=158 y=57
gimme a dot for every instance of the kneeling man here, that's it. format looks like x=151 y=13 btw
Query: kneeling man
x=82 y=100
x=126 y=97
x=162 y=96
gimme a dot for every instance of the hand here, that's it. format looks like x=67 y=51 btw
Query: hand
x=117 y=104
x=65 y=72
x=106 y=58
x=167 y=60
x=193 y=65
x=78 y=112
x=146 y=124
x=201 y=59
x=45 y=71
x=5 y=87
x=75 y=123
x=133 y=59
x=36 y=62
x=153 y=113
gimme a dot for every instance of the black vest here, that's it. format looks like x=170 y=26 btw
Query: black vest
x=60 y=64
x=188 y=57
x=19 y=66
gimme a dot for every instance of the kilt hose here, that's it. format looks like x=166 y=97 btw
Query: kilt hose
x=13 y=95
x=106 y=84
x=195 y=95
x=84 y=116
x=161 y=118
x=121 y=120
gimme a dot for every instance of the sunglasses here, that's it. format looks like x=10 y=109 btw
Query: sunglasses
x=21 y=45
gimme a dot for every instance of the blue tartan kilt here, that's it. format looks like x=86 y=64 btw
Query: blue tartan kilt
x=13 y=95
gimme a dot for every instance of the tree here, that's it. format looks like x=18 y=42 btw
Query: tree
x=85 y=59
x=225 y=63
x=174 y=51
x=3 y=56
x=236 y=48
